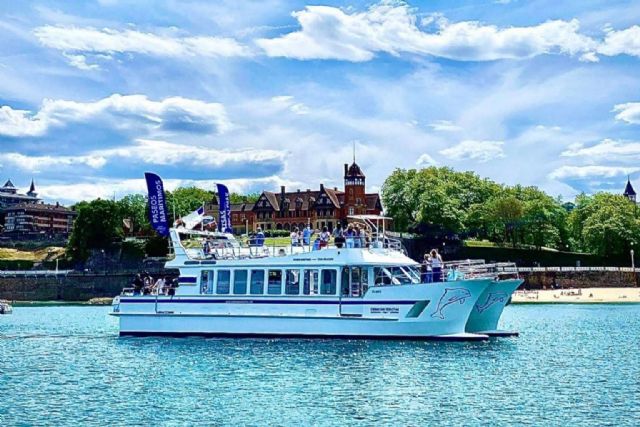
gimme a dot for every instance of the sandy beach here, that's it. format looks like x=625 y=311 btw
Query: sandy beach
x=580 y=296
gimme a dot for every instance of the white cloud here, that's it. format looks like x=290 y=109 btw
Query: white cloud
x=106 y=188
x=607 y=148
x=569 y=172
x=161 y=153
x=121 y=109
x=629 y=112
x=88 y=40
x=167 y=153
x=36 y=164
x=425 y=160
x=444 y=126
x=287 y=101
x=483 y=151
x=331 y=33
x=623 y=42
x=80 y=62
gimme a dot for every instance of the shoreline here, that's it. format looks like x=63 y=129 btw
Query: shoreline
x=54 y=303
x=578 y=296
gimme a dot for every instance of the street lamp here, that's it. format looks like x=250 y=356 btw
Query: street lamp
x=633 y=263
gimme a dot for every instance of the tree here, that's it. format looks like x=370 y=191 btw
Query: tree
x=244 y=198
x=607 y=224
x=135 y=207
x=186 y=200
x=98 y=226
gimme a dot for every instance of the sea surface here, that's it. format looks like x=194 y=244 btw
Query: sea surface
x=571 y=365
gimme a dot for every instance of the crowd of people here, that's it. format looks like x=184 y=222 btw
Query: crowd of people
x=144 y=284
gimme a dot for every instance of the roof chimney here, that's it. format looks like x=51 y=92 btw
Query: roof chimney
x=321 y=187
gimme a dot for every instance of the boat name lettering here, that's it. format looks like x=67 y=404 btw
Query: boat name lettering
x=385 y=310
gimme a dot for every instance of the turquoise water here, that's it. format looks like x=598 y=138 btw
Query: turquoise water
x=572 y=365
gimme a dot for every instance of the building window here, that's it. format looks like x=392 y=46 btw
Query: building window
x=257 y=282
x=240 y=282
x=351 y=210
x=223 y=282
x=292 y=283
x=328 y=283
x=274 y=286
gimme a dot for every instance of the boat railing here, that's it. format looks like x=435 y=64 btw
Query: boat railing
x=479 y=268
x=208 y=246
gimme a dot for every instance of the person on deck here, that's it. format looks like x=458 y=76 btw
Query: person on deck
x=159 y=286
x=325 y=236
x=427 y=274
x=294 y=237
x=338 y=236
x=349 y=236
x=259 y=237
x=137 y=284
x=306 y=235
x=436 y=265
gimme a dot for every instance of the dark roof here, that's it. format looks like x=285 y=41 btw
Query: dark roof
x=241 y=207
x=40 y=207
x=354 y=171
x=9 y=184
x=628 y=190
x=373 y=201
x=32 y=187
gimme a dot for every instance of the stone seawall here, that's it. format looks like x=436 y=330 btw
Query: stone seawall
x=83 y=287
x=72 y=287
x=579 y=279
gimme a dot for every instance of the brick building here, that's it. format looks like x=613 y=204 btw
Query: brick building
x=34 y=219
x=286 y=210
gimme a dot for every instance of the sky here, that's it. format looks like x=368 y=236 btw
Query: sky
x=258 y=94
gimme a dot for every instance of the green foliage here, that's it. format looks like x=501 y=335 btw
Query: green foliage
x=157 y=246
x=464 y=203
x=135 y=207
x=276 y=233
x=98 y=225
x=244 y=198
x=605 y=224
x=16 y=264
x=186 y=200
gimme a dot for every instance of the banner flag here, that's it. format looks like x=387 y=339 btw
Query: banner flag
x=157 y=204
x=194 y=218
x=224 y=224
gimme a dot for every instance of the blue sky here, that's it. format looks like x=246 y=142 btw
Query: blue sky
x=258 y=94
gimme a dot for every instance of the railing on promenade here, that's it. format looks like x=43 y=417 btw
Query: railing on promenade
x=33 y=273
x=567 y=269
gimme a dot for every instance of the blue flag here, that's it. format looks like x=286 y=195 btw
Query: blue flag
x=224 y=224
x=157 y=204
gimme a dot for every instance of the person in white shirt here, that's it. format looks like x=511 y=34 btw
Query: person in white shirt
x=436 y=265
x=324 y=237
x=295 y=237
x=159 y=286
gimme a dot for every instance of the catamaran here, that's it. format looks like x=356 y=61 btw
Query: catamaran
x=373 y=291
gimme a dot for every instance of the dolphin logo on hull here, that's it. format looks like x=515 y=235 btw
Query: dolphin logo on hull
x=450 y=296
x=492 y=298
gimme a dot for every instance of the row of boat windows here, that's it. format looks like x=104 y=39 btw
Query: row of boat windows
x=354 y=280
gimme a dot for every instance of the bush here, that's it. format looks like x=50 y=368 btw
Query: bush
x=133 y=249
x=277 y=233
x=15 y=264
x=157 y=246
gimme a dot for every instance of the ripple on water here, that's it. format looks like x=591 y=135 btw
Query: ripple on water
x=572 y=364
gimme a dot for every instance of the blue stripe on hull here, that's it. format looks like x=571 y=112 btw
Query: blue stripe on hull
x=257 y=301
x=304 y=336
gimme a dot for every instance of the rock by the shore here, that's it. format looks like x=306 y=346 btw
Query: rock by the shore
x=100 y=301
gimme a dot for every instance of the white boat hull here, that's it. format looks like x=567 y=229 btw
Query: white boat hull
x=422 y=311
x=489 y=307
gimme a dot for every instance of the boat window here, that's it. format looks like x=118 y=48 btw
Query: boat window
x=274 y=287
x=328 y=284
x=257 y=282
x=292 y=283
x=359 y=281
x=310 y=282
x=344 y=282
x=206 y=282
x=223 y=282
x=381 y=277
x=240 y=282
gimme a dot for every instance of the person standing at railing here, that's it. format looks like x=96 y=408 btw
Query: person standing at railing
x=306 y=235
x=325 y=236
x=427 y=275
x=294 y=237
x=338 y=236
x=349 y=236
x=436 y=265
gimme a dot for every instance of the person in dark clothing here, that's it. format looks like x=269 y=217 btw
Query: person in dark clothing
x=137 y=284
